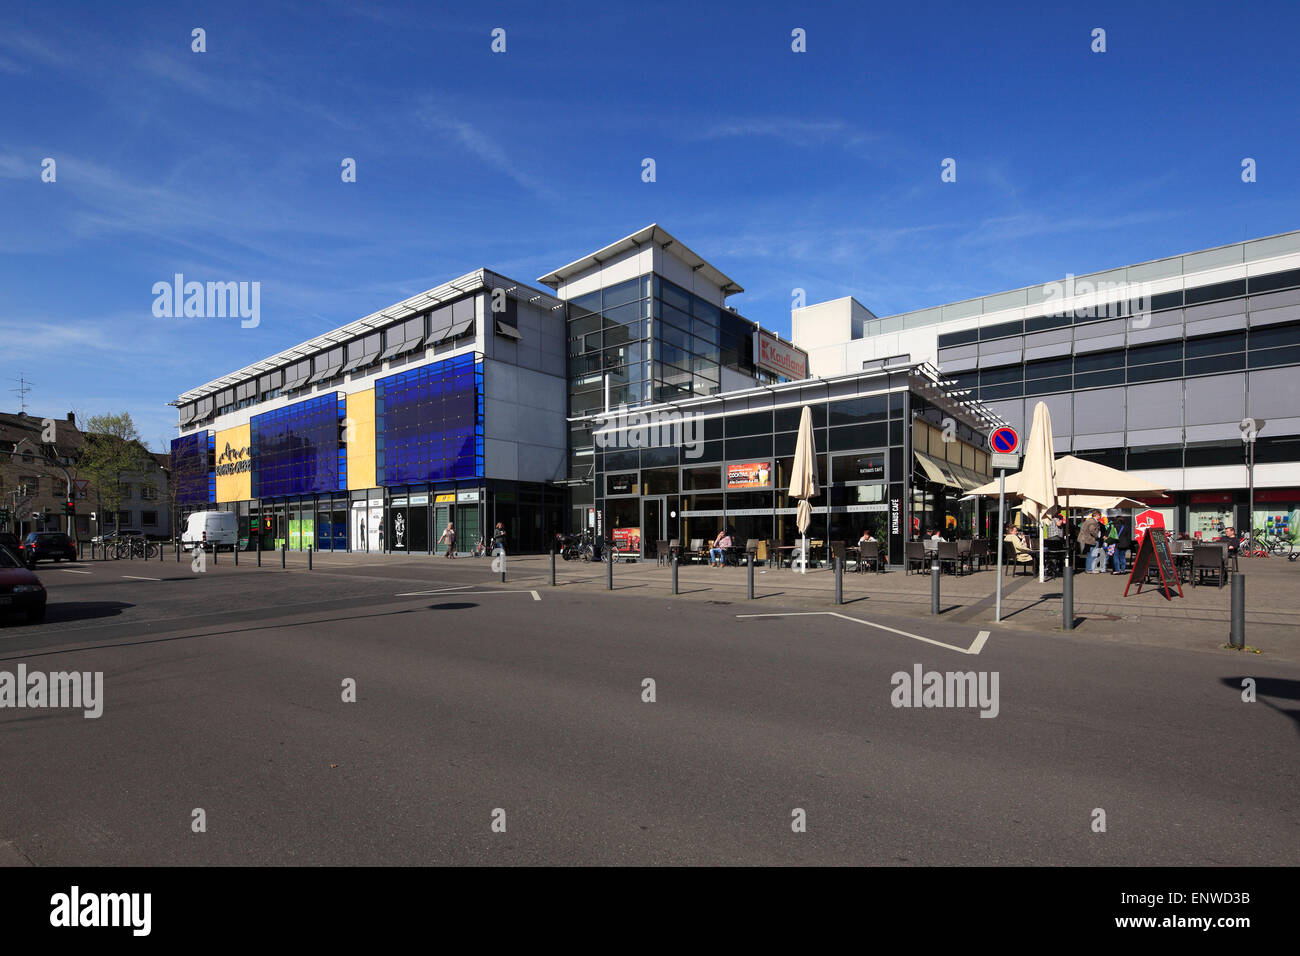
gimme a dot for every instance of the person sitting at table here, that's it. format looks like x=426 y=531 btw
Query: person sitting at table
x=934 y=540
x=1020 y=551
x=866 y=537
x=1229 y=537
x=719 y=550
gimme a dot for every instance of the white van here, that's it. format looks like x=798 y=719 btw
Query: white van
x=211 y=530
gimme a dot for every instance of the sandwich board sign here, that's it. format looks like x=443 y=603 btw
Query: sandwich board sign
x=1154 y=546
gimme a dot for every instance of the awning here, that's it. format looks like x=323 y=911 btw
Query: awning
x=505 y=328
x=187 y=413
x=940 y=472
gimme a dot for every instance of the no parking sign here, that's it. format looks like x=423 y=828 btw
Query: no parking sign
x=1004 y=440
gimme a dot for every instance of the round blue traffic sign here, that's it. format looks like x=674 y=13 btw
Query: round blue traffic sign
x=1004 y=440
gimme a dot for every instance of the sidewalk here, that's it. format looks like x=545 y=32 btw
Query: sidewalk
x=1197 y=619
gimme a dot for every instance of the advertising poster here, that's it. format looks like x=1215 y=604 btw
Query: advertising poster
x=375 y=529
x=750 y=474
x=1151 y=518
x=359 y=529
x=626 y=539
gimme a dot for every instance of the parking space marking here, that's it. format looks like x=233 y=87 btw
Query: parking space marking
x=71 y=571
x=536 y=596
x=980 y=639
x=136 y=577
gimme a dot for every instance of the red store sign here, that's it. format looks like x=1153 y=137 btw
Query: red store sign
x=779 y=357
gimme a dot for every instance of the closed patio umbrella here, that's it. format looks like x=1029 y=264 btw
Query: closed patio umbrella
x=803 y=477
x=1037 y=485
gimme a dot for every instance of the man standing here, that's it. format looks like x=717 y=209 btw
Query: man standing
x=1090 y=539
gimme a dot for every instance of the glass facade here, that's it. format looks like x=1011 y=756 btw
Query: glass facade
x=738 y=473
x=299 y=449
x=192 y=469
x=429 y=423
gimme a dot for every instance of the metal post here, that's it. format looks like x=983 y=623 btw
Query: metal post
x=1067 y=597
x=839 y=580
x=284 y=551
x=609 y=570
x=259 y=551
x=749 y=563
x=552 y=567
x=675 y=572
x=177 y=543
x=1002 y=520
x=309 y=557
x=236 y=554
x=934 y=584
x=1250 y=474
x=216 y=550
x=1237 y=635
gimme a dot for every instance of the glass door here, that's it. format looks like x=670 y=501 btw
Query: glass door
x=652 y=525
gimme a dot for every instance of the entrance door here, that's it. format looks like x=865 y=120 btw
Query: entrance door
x=652 y=524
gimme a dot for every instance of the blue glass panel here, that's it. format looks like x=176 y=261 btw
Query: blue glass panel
x=297 y=449
x=429 y=426
x=194 y=480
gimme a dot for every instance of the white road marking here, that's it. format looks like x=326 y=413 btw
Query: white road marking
x=136 y=577
x=975 y=648
x=536 y=596
x=71 y=571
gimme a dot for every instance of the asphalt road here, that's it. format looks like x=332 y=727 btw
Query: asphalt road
x=223 y=691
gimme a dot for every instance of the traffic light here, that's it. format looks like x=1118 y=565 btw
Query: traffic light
x=69 y=507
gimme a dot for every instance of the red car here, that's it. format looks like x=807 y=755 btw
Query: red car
x=20 y=589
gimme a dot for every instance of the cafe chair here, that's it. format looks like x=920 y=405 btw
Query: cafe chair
x=697 y=549
x=869 y=554
x=915 y=553
x=838 y=553
x=662 y=552
x=949 y=557
x=1207 y=559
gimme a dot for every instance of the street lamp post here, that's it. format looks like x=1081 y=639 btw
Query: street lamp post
x=1250 y=428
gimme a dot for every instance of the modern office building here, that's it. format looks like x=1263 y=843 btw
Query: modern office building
x=465 y=404
x=1155 y=368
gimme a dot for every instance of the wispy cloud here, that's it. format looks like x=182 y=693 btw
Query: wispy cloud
x=792 y=130
x=478 y=142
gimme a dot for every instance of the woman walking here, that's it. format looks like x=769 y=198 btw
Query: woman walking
x=449 y=535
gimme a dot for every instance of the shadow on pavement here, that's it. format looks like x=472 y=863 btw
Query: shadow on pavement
x=1280 y=688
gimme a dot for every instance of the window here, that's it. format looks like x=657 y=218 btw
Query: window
x=149 y=519
x=126 y=492
x=29 y=486
x=124 y=519
x=149 y=492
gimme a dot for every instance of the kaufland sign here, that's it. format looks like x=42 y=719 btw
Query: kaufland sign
x=779 y=357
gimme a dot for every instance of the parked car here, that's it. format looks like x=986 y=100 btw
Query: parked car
x=47 y=546
x=211 y=530
x=20 y=589
x=111 y=537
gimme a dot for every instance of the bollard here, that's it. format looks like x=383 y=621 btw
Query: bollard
x=216 y=549
x=130 y=551
x=92 y=551
x=839 y=580
x=284 y=551
x=160 y=552
x=1067 y=598
x=501 y=555
x=552 y=567
x=675 y=572
x=178 y=550
x=309 y=557
x=934 y=586
x=236 y=554
x=259 y=552
x=609 y=571
x=1237 y=634
x=749 y=562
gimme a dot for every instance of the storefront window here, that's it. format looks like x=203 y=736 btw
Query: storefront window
x=701 y=478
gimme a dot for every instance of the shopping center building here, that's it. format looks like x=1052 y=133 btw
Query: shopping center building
x=467 y=404
x=1155 y=368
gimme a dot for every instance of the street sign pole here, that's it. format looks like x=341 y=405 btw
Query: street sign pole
x=1002 y=507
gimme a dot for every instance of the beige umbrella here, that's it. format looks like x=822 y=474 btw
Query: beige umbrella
x=803 y=477
x=1037 y=485
x=1079 y=476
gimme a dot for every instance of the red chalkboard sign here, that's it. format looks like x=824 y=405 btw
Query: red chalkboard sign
x=1155 y=545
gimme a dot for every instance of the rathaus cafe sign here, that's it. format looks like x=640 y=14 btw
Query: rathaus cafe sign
x=234 y=461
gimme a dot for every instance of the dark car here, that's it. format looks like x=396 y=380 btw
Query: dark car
x=20 y=589
x=9 y=541
x=47 y=546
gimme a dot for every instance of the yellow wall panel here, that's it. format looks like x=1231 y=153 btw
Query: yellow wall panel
x=361 y=439
x=232 y=454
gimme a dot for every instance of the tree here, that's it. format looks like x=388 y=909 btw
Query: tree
x=112 y=451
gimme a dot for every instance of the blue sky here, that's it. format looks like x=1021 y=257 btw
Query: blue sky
x=816 y=170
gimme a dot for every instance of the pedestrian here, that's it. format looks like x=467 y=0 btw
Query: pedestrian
x=449 y=535
x=499 y=539
x=381 y=539
x=1119 y=540
x=719 y=550
x=1090 y=541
